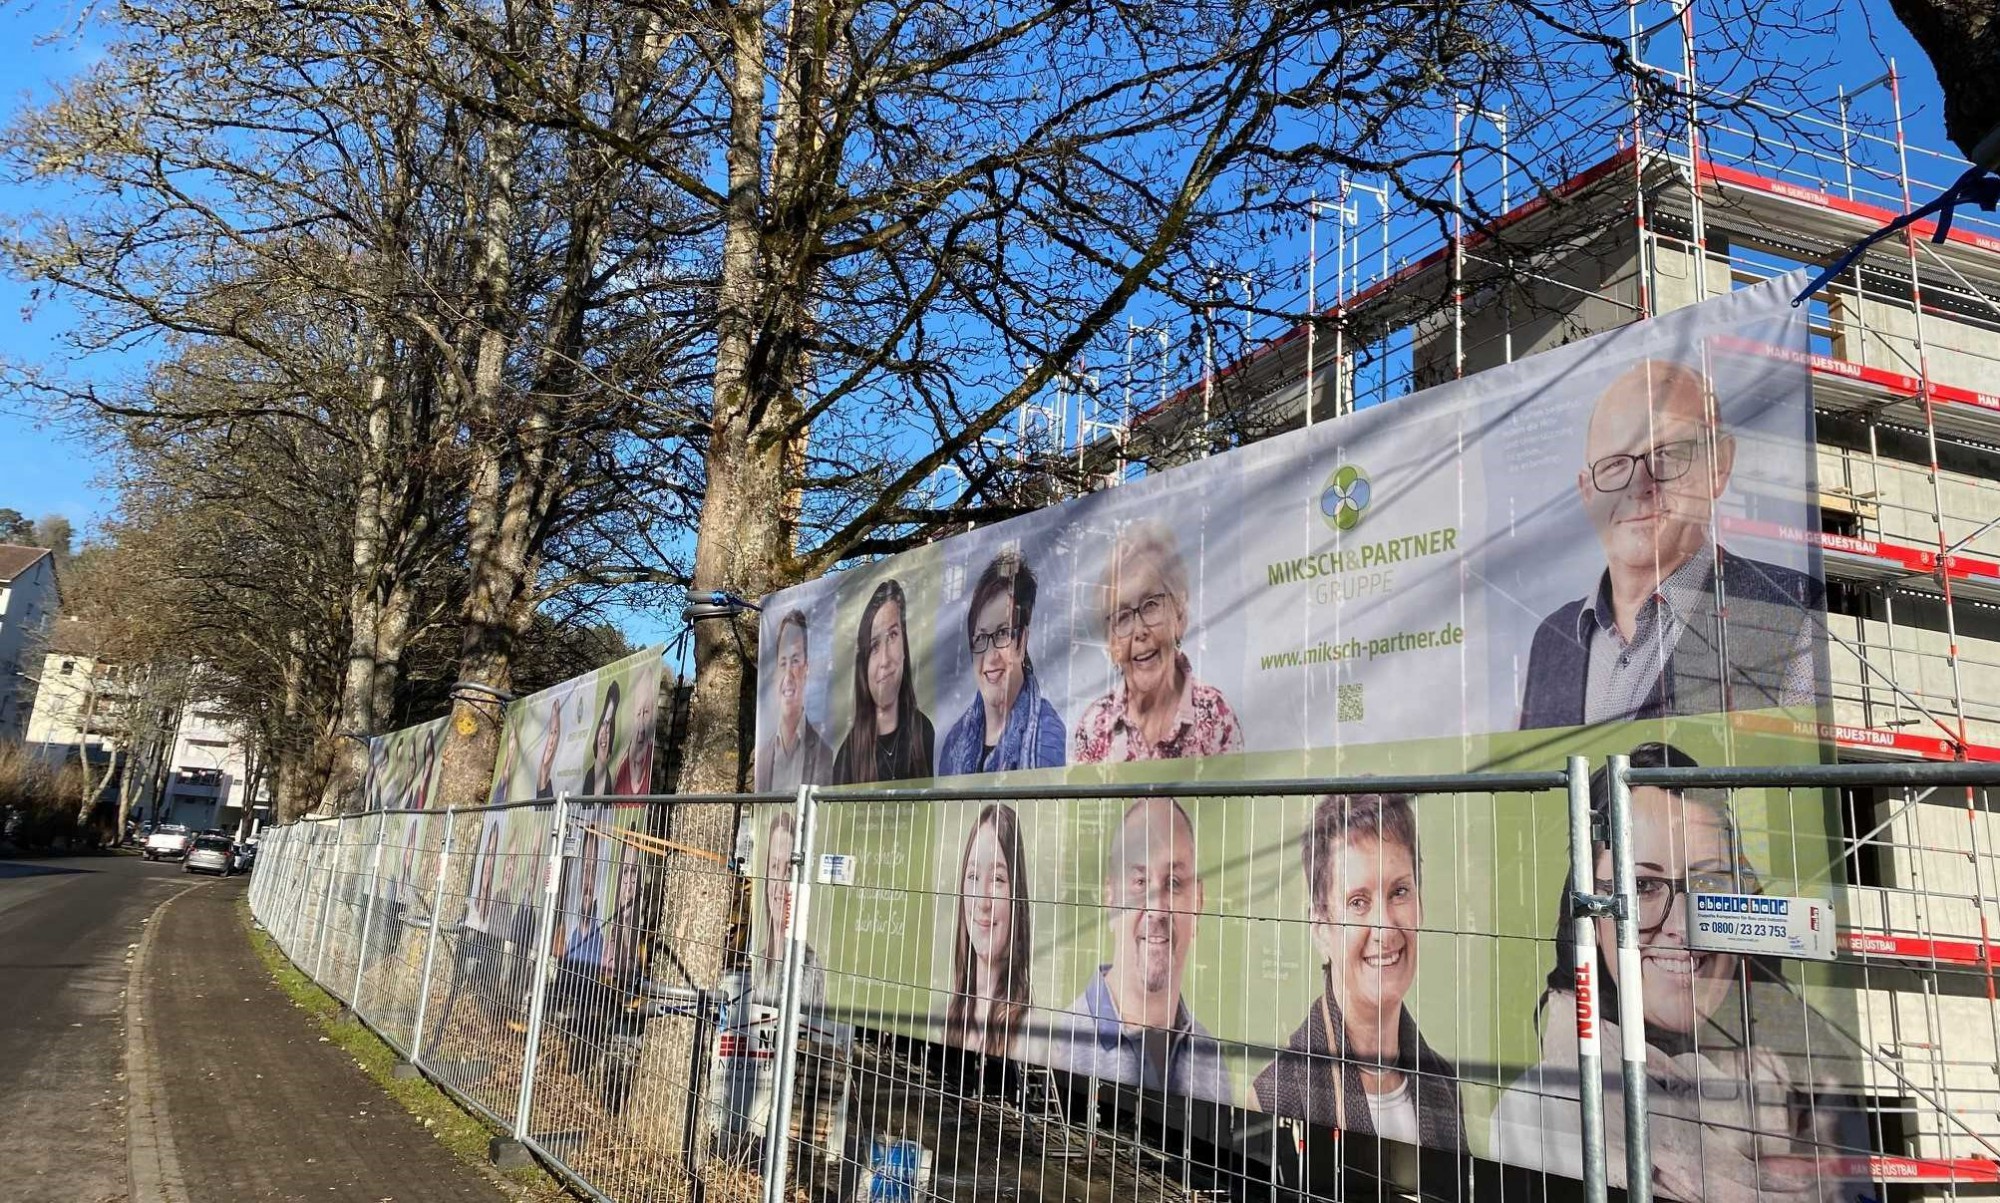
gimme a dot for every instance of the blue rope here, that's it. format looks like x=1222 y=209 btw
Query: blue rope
x=1976 y=187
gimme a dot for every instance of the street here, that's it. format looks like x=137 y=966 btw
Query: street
x=65 y=928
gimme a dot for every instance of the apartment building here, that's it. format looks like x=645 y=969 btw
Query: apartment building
x=29 y=602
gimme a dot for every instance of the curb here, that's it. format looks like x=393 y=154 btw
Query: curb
x=153 y=1164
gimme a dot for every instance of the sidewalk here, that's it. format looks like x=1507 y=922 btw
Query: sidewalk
x=255 y=1105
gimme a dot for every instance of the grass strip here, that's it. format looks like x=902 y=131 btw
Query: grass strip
x=465 y=1134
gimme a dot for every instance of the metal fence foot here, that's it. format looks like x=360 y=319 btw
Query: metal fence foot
x=506 y=1153
x=403 y=1071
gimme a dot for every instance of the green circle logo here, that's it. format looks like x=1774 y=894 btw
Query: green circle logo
x=1345 y=497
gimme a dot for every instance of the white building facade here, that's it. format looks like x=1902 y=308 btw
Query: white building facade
x=29 y=602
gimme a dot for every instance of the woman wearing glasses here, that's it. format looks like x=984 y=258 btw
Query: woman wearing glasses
x=1009 y=724
x=1736 y=1115
x=1156 y=710
x=889 y=739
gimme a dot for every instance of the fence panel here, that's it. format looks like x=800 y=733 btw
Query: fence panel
x=1181 y=992
x=477 y=1000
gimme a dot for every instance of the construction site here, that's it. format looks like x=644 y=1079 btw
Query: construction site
x=1904 y=357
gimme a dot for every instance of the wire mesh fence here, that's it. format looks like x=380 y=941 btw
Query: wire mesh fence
x=1266 y=990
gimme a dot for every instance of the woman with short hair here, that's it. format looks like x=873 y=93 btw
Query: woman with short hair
x=1156 y=710
x=1009 y=724
x=1357 y=1062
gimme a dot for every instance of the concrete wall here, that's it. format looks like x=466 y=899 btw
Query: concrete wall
x=1902 y=500
x=1881 y=332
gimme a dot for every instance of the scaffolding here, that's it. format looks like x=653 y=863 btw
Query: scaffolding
x=1904 y=348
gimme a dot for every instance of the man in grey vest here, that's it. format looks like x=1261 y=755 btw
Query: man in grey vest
x=1652 y=639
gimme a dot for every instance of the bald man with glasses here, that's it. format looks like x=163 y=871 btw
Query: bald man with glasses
x=1649 y=641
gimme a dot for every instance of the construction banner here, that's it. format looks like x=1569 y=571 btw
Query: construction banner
x=1592 y=551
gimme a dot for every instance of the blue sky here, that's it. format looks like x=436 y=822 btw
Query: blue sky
x=46 y=471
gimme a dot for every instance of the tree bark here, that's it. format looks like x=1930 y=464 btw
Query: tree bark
x=1962 y=40
x=368 y=678
x=494 y=520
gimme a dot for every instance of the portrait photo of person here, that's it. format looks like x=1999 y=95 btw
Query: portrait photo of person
x=545 y=769
x=1131 y=1024
x=1733 y=1119
x=635 y=774
x=1357 y=1062
x=767 y=967
x=1647 y=640
x=992 y=941
x=583 y=940
x=1156 y=708
x=503 y=780
x=419 y=797
x=622 y=946
x=517 y=909
x=599 y=776
x=1009 y=724
x=796 y=754
x=374 y=783
x=408 y=886
x=890 y=739
x=482 y=902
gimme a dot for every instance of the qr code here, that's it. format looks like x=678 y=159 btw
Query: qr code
x=1350 y=708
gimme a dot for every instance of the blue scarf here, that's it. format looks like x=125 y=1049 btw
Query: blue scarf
x=1028 y=726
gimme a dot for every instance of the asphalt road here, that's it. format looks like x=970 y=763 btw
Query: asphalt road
x=66 y=926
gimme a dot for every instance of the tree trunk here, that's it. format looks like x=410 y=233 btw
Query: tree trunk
x=89 y=799
x=1962 y=40
x=739 y=544
x=359 y=711
x=493 y=521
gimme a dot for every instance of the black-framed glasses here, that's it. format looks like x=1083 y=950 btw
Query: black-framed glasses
x=1657 y=894
x=1668 y=461
x=1000 y=637
x=1151 y=610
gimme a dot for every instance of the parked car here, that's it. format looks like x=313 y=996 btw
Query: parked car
x=211 y=853
x=169 y=841
x=246 y=854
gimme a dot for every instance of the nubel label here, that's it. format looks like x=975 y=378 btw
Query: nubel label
x=1586 y=1012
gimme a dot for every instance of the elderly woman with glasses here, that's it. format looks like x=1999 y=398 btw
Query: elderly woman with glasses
x=1736 y=1115
x=1156 y=710
x=1009 y=724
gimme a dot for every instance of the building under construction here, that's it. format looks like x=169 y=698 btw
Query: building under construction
x=1905 y=359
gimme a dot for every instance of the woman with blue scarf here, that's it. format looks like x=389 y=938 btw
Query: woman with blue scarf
x=1009 y=725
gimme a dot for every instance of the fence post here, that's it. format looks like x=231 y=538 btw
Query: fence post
x=778 y=1125
x=1631 y=997
x=368 y=908
x=326 y=900
x=430 y=949
x=1585 y=906
x=544 y=937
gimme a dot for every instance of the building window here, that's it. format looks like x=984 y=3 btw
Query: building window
x=68 y=667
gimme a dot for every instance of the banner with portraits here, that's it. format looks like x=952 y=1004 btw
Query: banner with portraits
x=1605 y=548
x=403 y=767
x=591 y=737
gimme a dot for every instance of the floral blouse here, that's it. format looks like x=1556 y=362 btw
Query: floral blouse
x=1204 y=726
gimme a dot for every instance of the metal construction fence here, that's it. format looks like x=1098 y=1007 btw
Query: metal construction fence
x=862 y=993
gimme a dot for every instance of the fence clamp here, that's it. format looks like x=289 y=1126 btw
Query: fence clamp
x=1595 y=906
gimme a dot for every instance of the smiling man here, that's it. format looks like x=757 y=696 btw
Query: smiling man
x=1649 y=641
x=1131 y=1025
x=796 y=755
